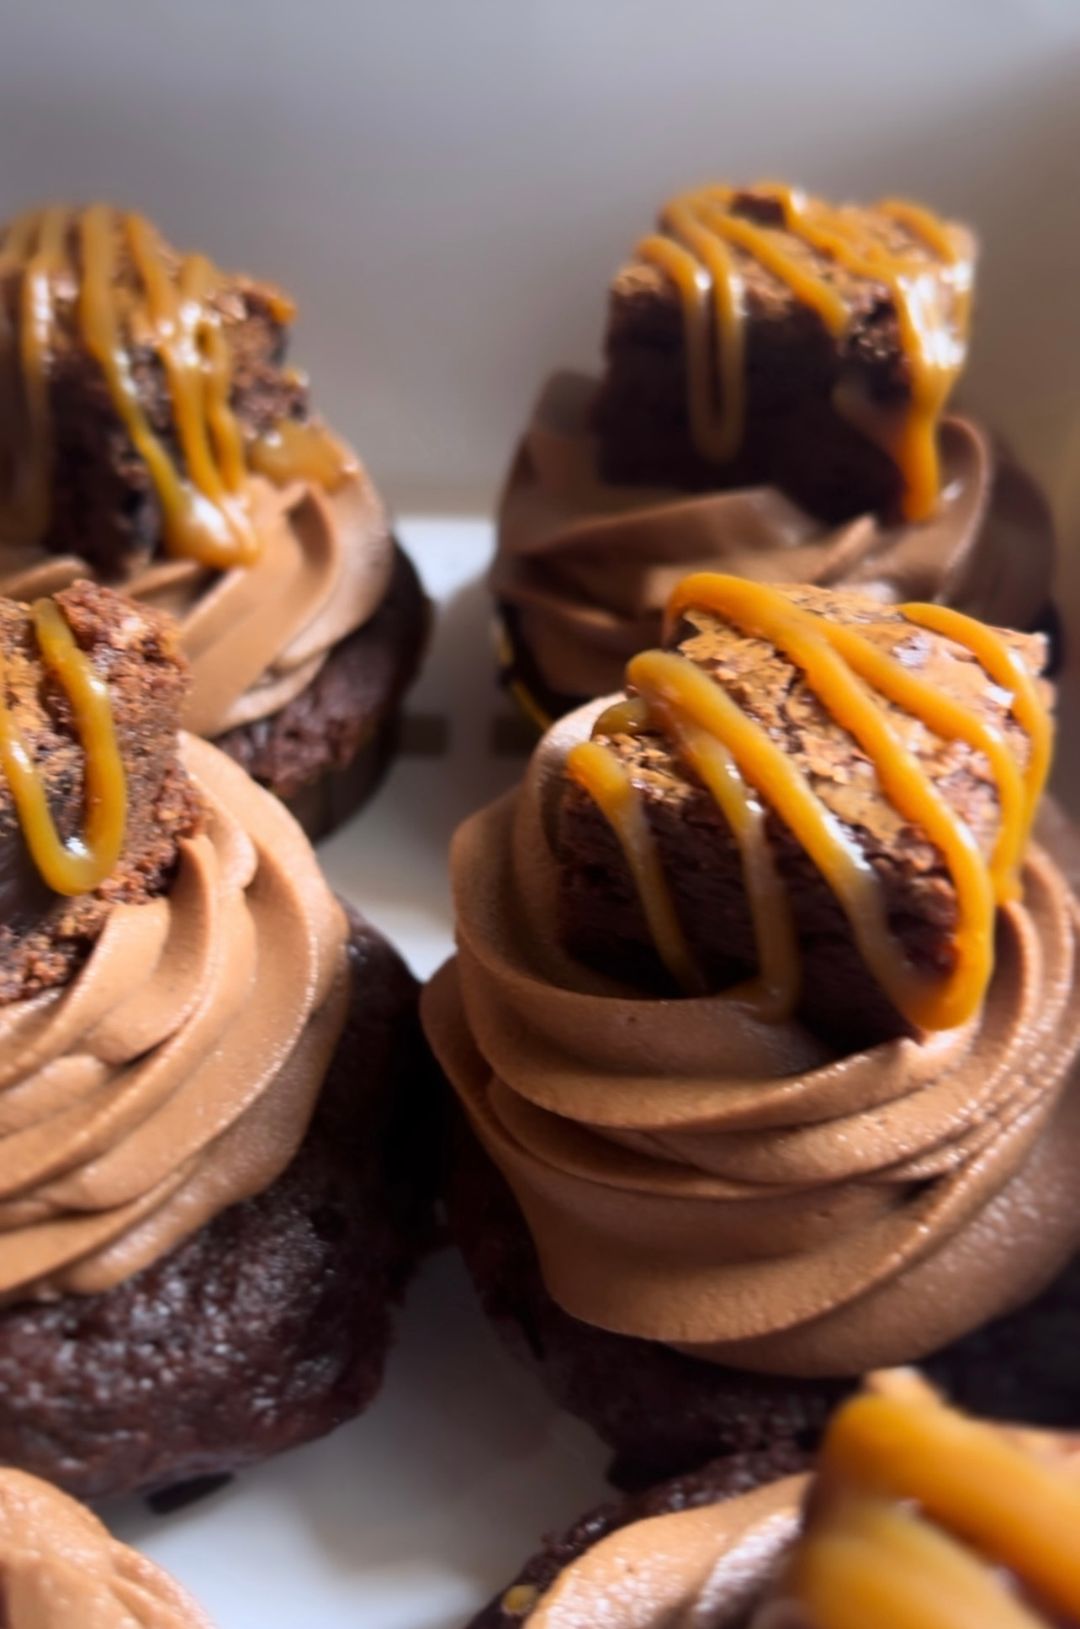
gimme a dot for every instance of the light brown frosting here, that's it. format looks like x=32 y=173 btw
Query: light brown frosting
x=587 y=567
x=257 y=635
x=177 y=1073
x=61 y=1568
x=690 y=1569
x=695 y=1176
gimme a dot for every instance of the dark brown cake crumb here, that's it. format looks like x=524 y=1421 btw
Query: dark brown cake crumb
x=43 y=936
x=794 y=435
x=602 y=921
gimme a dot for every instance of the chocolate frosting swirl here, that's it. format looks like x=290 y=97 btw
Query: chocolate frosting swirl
x=177 y=1072
x=62 y=1569
x=694 y=1176
x=255 y=636
x=586 y=567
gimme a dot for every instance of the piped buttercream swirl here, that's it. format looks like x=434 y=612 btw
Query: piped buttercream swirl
x=586 y=568
x=61 y=1568
x=694 y=1176
x=176 y=1074
x=255 y=636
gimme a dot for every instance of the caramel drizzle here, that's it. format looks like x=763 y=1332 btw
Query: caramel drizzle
x=739 y=764
x=292 y=451
x=82 y=863
x=915 y=1511
x=930 y=285
x=203 y=497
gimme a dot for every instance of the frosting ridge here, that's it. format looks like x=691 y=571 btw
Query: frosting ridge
x=255 y=635
x=785 y=1209
x=176 y=1073
x=586 y=567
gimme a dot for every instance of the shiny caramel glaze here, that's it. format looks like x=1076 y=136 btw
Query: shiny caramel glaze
x=747 y=773
x=82 y=863
x=132 y=293
x=702 y=243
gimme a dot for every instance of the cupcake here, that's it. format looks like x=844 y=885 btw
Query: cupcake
x=205 y=1213
x=774 y=405
x=764 y=1023
x=153 y=437
x=914 y=1514
x=62 y=1568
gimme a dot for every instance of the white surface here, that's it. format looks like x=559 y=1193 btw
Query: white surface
x=415 y=1514
x=446 y=184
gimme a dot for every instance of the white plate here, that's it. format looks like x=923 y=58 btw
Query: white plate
x=411 y=1517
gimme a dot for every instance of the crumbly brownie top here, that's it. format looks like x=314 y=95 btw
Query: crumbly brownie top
x=43 y=935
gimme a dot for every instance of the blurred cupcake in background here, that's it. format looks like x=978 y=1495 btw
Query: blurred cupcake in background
x=153 y=436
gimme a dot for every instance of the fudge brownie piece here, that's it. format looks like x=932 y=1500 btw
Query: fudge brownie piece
x=601 y=918
x=42 y=934
x=103 y=506
x=664 y=1413
x=270 y=1325
x=324 y=752
x=713 y=1484
x=794 y=435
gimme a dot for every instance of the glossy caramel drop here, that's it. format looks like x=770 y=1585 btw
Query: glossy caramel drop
x=307 y=452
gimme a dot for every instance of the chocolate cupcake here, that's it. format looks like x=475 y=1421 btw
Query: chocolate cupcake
x=62 y=1568
x=206 y=1214
x=152 y=436
x=914 y=1514
x=773 y=406
x=764 y=1023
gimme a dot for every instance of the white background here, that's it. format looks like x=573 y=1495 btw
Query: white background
x=446 y=186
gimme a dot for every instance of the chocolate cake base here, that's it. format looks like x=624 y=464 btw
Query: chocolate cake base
x=714 y=1483
x=269 y=1326
x=325 y=752
x=541 y=705
x=664 y=1413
